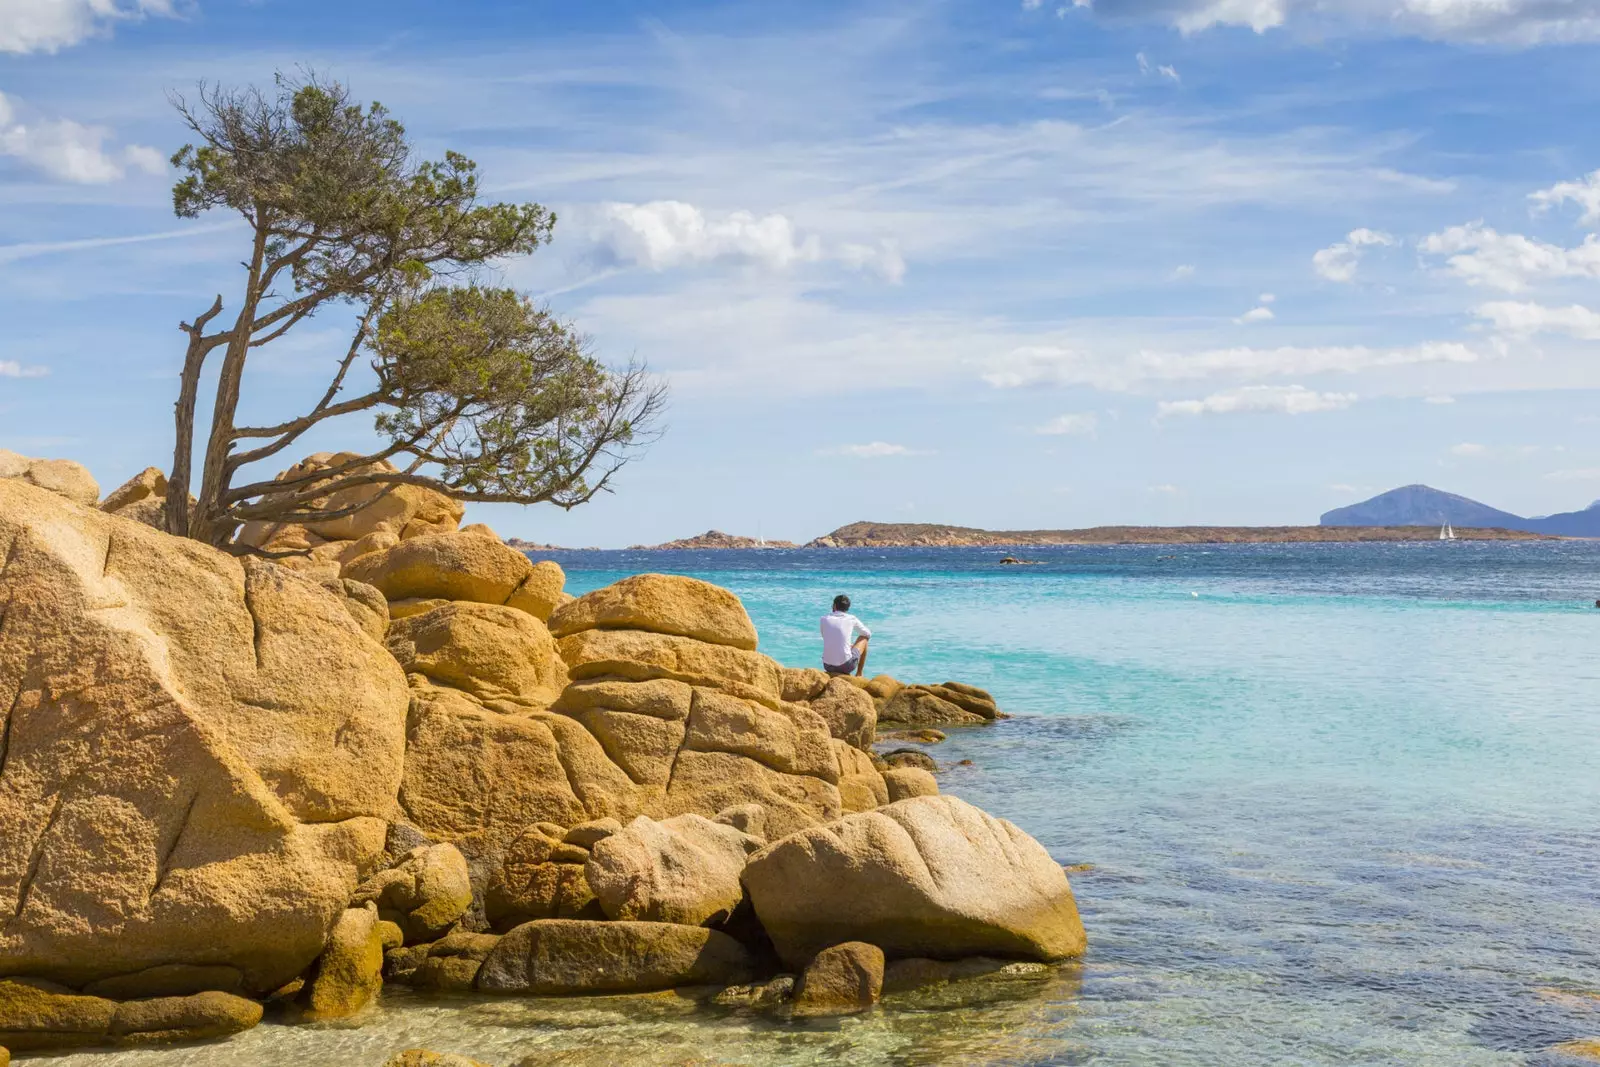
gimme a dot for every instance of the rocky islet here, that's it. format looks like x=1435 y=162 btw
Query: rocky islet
x=400 y=752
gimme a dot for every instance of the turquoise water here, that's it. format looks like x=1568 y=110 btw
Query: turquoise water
x=1342 y=804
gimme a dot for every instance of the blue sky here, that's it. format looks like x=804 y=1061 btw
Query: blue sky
x=1002 y=263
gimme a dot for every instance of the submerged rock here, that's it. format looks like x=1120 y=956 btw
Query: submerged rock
x=931 y=876
x=553 y=957
x=35 y=1014
x=841 y=980
x=421 y=1057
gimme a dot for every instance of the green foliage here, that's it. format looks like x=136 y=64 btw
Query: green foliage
x=503 y=397
x=309 y=169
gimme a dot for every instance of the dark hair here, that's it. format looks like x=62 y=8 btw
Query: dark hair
x=841 y=603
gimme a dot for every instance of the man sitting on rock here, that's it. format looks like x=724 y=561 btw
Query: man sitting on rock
x=842 y=650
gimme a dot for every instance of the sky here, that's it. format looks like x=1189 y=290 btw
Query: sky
x=1003 y=263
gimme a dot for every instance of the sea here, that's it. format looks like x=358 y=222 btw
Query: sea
x=1323 y=804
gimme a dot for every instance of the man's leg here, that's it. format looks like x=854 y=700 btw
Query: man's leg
x=861 y=656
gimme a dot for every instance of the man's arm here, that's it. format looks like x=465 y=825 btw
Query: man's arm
x=861 y=626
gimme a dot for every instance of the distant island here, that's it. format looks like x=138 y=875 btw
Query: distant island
x=919 y=535
x=716 y=539
x=1422 y=505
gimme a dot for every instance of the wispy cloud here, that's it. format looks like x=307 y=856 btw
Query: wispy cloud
x=872 y=450
x=1574 y=320
x=1036 y=365
x=663 y=234
x=1584 y=474
x=1506 y=22
x=1074 y=424
x=12 y=253
x=1258 y=399
x=10 y=368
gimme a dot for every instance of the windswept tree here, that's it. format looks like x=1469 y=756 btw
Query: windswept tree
x=475 y=391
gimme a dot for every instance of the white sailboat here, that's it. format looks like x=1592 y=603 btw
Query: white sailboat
x=1446 y=533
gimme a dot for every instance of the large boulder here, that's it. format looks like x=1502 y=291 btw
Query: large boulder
x=553 y=957
x=471 y=770
x=60 y=476
x=461 y=566
x=142 y=498
x=931 y=876
x=681 y=870
x=493 y=653
x=200 y=756
x=663 y=604
x=402 y=510
x=638 y=656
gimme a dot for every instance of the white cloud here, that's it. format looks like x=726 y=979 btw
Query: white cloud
x=873 y=450
x=49 y=25
x=1077 y=424
x=1338 y=262
x=1164 y=70
x=1182 y=272
x=1047 y=364
x=1258 y=399
x=1440 y=399
x=1517 y=22
x=69 y=150
x=1586 y=474
x=1467 y=449
x=670 y=233
x=10 y=368
x=1584 y=192
x=1259 y=314
x=1165 y=490
x=1511 y=317
x=1479 y=255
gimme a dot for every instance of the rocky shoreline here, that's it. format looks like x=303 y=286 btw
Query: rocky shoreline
x=235 y=788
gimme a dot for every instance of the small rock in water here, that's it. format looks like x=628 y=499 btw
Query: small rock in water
x=421 y=1057
x=842 y=980
x=911 y=757
x=759 y=996
x=1583 y=1048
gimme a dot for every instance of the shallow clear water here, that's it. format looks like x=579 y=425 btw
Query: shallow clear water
x=1342 y=807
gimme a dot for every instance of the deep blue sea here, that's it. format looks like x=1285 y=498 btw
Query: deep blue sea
x=1341 y=805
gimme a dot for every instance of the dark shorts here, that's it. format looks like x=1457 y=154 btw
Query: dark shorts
x=843 y=668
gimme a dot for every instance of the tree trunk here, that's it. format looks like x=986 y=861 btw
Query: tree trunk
x=210 y=524
x=194 y=359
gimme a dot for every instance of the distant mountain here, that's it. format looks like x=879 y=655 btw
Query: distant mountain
x=1585 y=523
x=1421 y=505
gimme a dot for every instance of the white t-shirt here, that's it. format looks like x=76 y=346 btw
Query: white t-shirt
x=838 y=635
